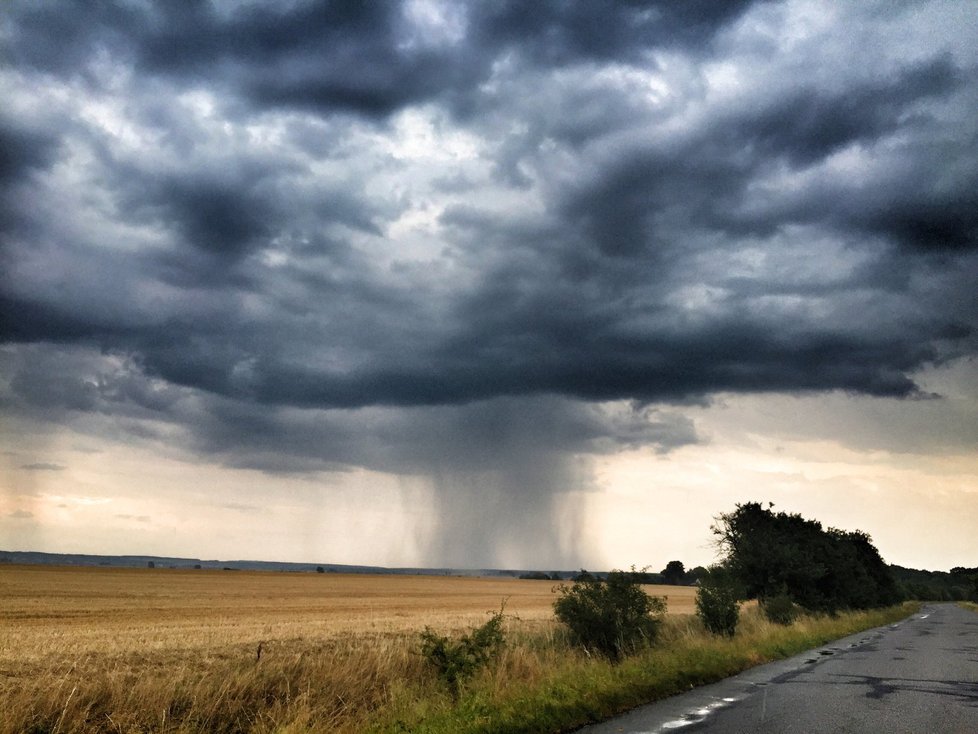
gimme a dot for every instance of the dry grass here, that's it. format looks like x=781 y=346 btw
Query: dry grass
x=547 y=687
x=133 y=650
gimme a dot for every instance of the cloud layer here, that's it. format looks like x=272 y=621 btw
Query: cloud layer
x=438 y=237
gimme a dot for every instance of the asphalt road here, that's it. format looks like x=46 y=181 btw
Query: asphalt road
x=917 y=676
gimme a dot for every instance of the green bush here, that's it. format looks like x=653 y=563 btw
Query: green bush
x=457 y=660
x=779 y=609
x=717 y=604
x=611 y=617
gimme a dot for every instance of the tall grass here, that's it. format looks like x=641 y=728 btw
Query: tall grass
x=563 y=688
x=297 y=685
x=136 y=665
x=379 y=683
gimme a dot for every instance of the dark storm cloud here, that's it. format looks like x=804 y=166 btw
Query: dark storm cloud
x=637 y=201
x=337 y=55
x=368 y=58
x=213 y=215
x=50 y=385
x=811 y=124
x=217 y=200
x=476 y=437
x=496 y=468
x=25 y=150
x=22 y=150
x=554 y=32
x=43 y=466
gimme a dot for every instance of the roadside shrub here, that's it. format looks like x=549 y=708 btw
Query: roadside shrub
x=612 y=617
x=457 y=660
x=717 y=604
x=780 y=609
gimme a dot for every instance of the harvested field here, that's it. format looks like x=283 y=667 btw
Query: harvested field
x=107 y=649
x=58 y=610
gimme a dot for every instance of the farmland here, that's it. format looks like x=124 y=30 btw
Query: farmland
x=50 y=612
x=92 y=649
x=193 y=651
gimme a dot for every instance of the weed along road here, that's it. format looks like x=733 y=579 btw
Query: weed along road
x=919 y=675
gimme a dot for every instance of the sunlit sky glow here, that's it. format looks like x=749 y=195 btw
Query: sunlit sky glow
x=486 y=284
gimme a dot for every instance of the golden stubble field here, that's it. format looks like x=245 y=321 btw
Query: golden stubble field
x=106 y=649
x=57 y=610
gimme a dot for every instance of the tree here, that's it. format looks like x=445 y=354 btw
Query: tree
x=967 y=580
x=612 y=617
x=822 y=570
x=674 y=573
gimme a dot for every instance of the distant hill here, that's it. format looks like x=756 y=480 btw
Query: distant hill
x=958 y=584
x=82 y=559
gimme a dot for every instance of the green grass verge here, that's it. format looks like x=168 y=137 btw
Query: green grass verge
x=581 y=690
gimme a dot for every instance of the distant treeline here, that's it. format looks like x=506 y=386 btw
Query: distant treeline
x=674 y=574
x=821 y=569
x=961 y=584
x=853 y=557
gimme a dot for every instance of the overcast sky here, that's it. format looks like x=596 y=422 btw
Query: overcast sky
x=521 y=284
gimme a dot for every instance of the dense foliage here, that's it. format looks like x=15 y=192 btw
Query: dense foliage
x=612 y=616
x=780 y=609
x=717 y=603
x=961 y=584
x=457 y=660
x=822 y=570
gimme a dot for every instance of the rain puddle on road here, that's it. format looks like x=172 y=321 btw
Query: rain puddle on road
x=697 y=716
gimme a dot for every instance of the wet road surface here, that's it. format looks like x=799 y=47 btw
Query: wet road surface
x=919 y=675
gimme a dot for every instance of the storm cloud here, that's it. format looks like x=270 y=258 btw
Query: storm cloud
x=477 y=242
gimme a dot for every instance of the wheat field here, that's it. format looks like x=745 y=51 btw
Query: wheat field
x=138 y=650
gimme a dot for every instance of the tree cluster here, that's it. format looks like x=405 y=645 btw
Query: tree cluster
x=961 y=584
x=613 y=616
x=674 y=574
x=542 y=576
x=770 y=554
